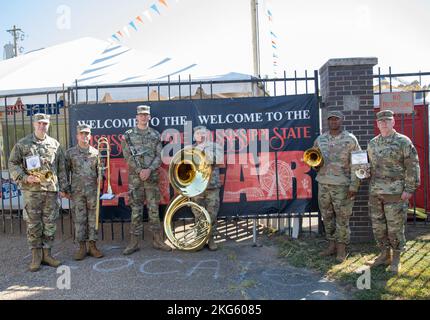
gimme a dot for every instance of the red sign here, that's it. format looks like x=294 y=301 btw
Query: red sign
x=398 y=102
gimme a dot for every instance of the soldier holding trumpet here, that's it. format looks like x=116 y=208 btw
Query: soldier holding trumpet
x=36 y=163
x=337 y=184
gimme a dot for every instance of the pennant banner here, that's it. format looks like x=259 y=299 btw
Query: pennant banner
x=133 y=25
x=148 y=15
x=126 y=32
x=273 y=43
x=154 y=7
x=163 y=2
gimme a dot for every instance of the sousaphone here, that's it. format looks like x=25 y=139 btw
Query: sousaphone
x=189 y=175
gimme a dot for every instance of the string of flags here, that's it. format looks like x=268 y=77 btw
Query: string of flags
x=138 y=22
x=273 y=41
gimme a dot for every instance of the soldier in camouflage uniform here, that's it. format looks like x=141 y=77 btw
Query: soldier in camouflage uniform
x=142 y=150
x=337 y=184
x=81 y=165
x=36 y=163
x=395 y=175
x=210 y=198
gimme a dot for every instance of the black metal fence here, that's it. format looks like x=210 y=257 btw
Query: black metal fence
x=416 y=127
x=16 y=123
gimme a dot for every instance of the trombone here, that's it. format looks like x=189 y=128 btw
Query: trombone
x=103 y=164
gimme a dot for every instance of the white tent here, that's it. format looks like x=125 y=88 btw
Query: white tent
x=89 y=61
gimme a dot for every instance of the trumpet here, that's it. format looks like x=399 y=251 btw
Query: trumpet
x=45 y=176
x=103 y=165
x=313 y=157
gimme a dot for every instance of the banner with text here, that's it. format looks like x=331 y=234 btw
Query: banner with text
x=263 y=139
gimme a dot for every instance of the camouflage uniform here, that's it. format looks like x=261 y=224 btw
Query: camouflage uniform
x=147 y=143
x=210 y=198
x=394 y=169
x=41 y=203
x=335 y=178
x=82 y=166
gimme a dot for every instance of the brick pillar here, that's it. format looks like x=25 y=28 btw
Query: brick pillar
x=347 y=86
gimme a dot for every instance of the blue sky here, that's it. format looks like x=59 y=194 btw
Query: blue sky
x=217 y=33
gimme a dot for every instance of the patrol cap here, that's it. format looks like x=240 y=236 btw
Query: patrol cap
x=143 y=109
x=385 y=115
x=336 y=114
x=41 y=117
x=200 y=128
x=83 y=128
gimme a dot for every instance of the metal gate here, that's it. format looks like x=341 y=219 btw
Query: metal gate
x=16 y=113
x=415 y=126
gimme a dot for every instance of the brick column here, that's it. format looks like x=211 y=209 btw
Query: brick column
x=347 y=86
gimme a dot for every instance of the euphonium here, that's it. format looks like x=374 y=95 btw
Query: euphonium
x=313 y=157
x=189 y=174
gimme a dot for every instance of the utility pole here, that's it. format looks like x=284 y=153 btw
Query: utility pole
x=15 y=34
x=255 y=37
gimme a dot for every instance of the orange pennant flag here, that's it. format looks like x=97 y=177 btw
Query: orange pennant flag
x=163 y=2
x=139 y=18
x=120 y=33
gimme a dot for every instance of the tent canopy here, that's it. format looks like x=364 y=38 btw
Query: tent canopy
x=88 y=61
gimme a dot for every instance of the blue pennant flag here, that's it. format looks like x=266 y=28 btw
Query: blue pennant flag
x=154 y=7
x=133 y=25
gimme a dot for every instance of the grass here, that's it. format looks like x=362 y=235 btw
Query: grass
x=413 y=281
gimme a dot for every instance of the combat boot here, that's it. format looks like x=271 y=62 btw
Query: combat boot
x=395 y=263
x=158 y=243
x=340 y=252
x=82 y=252
x=212 y=246
x=36 y=259
x=383 y=258
x=93 y=251
x=48 y=259
x=133 y=246
x=331 y=250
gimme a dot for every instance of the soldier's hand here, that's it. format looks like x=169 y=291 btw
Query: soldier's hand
x=406 y=196
x=32 y=180
x=65 y=195
x=351 y=194
x=144 y=174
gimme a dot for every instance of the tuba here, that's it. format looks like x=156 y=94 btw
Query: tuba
x=189 y=175
x=103 y=164
x=313 y=157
